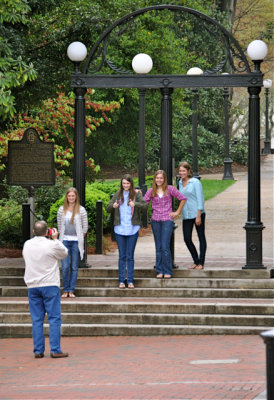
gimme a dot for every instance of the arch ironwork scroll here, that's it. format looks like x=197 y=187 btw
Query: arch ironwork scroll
x=99 y=57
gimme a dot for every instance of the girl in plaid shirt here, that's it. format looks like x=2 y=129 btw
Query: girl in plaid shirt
x=162 y=223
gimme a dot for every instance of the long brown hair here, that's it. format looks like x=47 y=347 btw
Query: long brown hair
x=186 y=165
x=128 y=178
x=154 y=185
x=76 y=208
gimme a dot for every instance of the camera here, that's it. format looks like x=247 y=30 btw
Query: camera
x=50 y=232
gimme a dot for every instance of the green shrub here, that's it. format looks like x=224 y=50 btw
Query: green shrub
x=45 y=196
x=106 y=187
x=92 y=196
x=239 y=150
x=11 y=224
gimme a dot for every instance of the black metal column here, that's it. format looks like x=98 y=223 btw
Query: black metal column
x=254 y=225
x=79 y=172
x=195 y=133
x=166 y=133
x=227 y=161
x=142 y=150
x=267 y=146
x=166 y=162
x=141 y=170
x=99 y=227
x=79 y=175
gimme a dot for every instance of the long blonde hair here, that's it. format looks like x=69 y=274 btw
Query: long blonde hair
x=76 y=208
x=154 y=185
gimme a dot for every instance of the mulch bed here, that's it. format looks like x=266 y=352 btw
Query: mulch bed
x=10 y=253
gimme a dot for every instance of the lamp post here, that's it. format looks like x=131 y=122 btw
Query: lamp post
x=195 y=71
x=227 y=161
x=142 y=64
x=267 y=146
x=77 y=52
x=256 y=50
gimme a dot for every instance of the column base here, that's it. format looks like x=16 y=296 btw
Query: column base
x=228 y=170
x=266 y=149
x=253 y=246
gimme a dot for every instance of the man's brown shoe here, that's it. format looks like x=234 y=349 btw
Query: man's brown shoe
x=38 y=355
x=58 y=355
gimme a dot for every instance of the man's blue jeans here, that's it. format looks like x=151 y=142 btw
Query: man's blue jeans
x=70 y=265
x=126 y=246
x=162 y=231
x=44 y=300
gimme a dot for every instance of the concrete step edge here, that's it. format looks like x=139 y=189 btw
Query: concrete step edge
x=17 y=330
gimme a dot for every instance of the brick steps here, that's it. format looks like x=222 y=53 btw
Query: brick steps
x=216 y=301
x=215 y=283
x=146 y=319
x=24 y=330
x=9 y=291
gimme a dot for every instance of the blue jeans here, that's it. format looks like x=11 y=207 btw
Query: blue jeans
x=126 y=247
x=162 y=231
x=70 y=265
x=44 y=300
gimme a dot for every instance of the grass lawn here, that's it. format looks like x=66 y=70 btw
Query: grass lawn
x=212 y=187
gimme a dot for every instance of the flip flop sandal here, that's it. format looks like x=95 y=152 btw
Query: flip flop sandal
x=130 y=286
x=122 y=285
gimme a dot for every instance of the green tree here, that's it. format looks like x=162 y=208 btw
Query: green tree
x=54 y=122
x=14 y=70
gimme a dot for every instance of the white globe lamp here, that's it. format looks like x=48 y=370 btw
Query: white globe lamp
x=142 y=63
x=195 y=71
x=77 y=52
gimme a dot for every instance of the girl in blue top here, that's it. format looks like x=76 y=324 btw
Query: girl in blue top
x=128 y=207
x=193 y=213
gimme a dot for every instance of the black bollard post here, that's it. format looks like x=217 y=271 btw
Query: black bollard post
x=145 y=216
x=268 y=337
x=26 y=222
x=113 y=238
x=99 y=227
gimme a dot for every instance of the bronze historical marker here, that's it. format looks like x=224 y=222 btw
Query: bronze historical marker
x=30 y=161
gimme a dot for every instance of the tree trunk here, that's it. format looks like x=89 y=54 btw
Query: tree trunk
x=229 y=6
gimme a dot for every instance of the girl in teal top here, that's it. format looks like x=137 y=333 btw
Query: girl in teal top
x=193 y=213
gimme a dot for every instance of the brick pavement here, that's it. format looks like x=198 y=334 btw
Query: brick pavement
x=173 y=367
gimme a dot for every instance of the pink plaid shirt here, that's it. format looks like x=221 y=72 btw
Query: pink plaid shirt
x=162 y=206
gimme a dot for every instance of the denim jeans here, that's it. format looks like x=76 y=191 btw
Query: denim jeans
x=44 y=300
x=70 y=265
x=187 y=232
x=126 y=247
x=162 y=231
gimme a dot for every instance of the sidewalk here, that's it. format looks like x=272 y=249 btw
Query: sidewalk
x=154 y=368
x=140 y=368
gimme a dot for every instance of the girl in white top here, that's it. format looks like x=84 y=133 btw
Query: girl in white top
x=72 y=223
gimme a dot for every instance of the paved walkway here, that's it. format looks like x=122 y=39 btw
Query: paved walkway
x=177 y=367
x=141 y=368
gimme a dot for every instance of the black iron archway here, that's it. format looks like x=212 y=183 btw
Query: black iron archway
x=120 y=77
